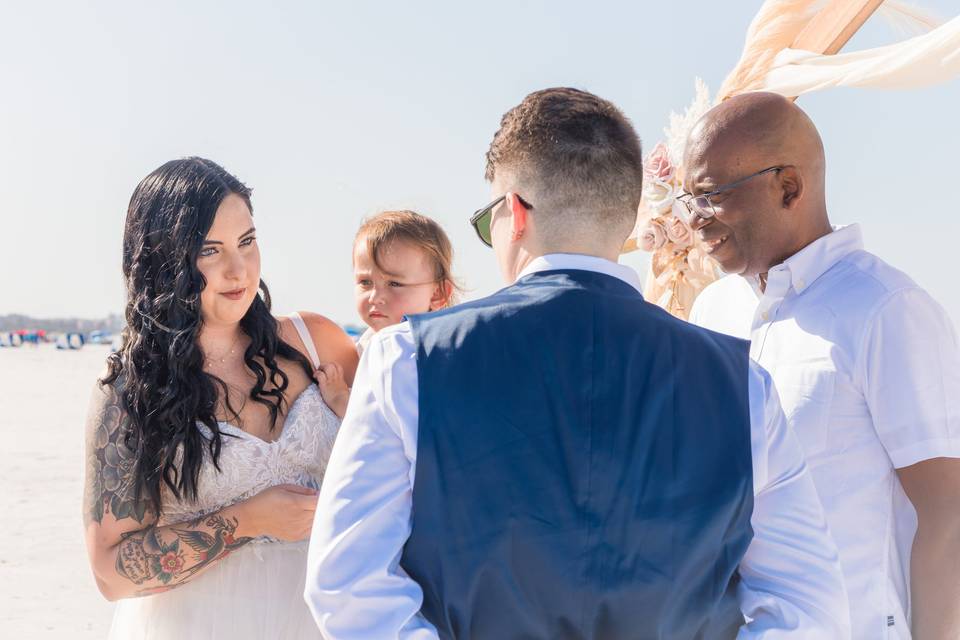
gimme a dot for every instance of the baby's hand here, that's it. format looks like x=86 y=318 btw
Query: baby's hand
x=333 y=388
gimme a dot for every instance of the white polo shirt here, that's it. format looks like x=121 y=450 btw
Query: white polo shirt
x=868 y=370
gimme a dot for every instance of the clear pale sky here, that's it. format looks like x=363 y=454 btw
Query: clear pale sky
x=332 y=112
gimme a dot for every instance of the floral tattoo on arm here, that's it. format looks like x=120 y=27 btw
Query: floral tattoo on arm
x=157 y=558
x=157 y=554
x=109 y=486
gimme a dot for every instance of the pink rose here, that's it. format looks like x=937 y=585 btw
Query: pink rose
x=652 y=236
x=658 y=195
x=657 y=166
x=679 y=232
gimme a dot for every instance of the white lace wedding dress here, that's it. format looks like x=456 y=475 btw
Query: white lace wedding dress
x=257 y=591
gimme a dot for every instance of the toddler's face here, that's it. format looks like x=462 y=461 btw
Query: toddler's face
x=402 y=285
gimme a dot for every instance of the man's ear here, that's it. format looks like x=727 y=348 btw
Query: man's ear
x=518 y=216
x=792 y=186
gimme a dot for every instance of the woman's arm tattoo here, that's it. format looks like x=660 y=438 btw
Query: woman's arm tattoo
x=155 y=558
x=109 y=485
x=171 y=555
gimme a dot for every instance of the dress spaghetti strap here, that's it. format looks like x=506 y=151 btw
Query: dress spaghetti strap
x=305 y=337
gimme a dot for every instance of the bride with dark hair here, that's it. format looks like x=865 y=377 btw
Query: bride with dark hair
x=207 y=438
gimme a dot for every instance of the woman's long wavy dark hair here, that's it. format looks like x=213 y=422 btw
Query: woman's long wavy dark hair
x=158 y=372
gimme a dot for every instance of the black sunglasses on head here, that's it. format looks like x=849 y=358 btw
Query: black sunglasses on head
x=480 y=220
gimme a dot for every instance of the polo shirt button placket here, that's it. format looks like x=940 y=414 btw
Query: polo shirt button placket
x=764 y=318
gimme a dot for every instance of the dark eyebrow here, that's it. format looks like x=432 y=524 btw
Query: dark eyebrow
x=245 y=234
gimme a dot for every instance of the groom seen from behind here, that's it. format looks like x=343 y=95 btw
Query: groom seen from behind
x=562 y=459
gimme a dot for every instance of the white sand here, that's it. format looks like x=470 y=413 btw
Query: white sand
x=46 y=588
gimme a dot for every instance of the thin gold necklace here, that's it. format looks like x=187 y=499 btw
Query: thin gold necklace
x=209 y=364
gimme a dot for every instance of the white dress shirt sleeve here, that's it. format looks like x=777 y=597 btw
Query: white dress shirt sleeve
x=909 y=370
x=791 y=582
x=355 y=587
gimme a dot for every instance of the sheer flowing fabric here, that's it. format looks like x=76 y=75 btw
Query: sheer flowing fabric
x=924 y=60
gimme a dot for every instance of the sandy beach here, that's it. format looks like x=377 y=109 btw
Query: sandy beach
x=46 y=588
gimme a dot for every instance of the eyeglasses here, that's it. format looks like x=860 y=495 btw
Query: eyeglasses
x=482 y=217
x=701 y=206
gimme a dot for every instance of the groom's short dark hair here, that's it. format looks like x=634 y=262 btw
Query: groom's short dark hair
x=578 y=150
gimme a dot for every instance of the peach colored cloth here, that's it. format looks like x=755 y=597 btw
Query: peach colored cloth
x=924 y=60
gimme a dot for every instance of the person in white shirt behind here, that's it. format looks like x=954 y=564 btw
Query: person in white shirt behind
x=562 y=459
x=866 y=363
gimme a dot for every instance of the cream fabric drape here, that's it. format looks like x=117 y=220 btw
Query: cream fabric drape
x=921 y=61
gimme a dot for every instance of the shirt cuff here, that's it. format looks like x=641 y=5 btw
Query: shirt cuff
x=925 y=450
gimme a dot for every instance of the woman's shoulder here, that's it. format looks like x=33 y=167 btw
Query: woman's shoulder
x=318 y=326
x=107 y=387
x=331 y=342
x=317 y=322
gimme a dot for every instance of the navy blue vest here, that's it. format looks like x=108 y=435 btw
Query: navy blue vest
x=583 y=467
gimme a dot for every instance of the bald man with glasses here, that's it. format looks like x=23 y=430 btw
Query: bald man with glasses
x=866 y=363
